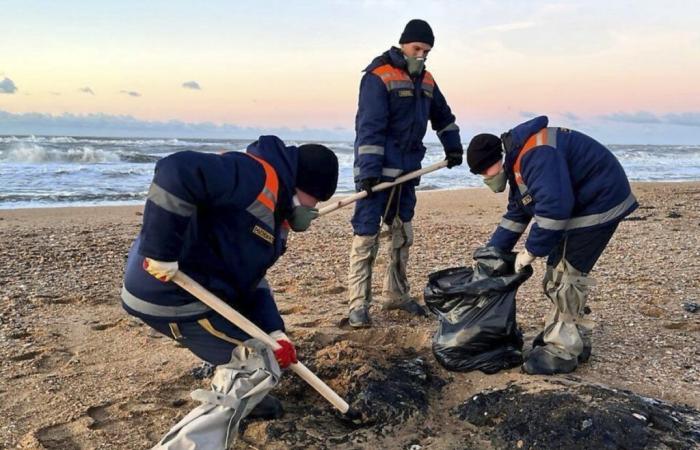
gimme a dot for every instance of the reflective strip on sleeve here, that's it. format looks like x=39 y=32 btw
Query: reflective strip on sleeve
x=389 y=172
x=151 y=309
x=551 y=224
x=607 y=216
x=370 y=150
x=170 y=202
x=451 y=127
x=515 y=227
x=386 y=171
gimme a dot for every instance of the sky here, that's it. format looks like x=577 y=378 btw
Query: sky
x=621 y=71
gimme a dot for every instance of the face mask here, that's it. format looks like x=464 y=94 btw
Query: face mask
x=497 y=183
x=414 y=65
x=301 y=217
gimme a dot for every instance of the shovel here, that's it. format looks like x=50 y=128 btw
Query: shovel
x=380 y=187
x=249 y=327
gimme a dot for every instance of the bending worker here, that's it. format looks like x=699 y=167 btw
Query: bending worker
x=577 y=193
x=223 y=219
x=397 y=98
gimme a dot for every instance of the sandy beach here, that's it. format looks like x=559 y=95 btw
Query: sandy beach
x=79 y=373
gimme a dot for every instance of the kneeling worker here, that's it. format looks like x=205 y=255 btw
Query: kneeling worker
x=577 y=193
x=223 y=219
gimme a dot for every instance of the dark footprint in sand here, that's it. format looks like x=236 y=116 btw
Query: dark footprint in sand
x=26 y=356
x=105 y=326
x=309 y=324
x=285 y=311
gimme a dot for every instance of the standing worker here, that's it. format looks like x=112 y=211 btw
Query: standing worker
x=397 y=98
x=224 y=219
x=577 y=193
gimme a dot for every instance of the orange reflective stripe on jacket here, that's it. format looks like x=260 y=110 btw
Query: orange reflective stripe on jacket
x=268 y=196
x=393 y=78
x=546 y=136
x=263 y=207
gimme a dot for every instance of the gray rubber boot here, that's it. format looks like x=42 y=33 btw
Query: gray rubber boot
x=565 y=326
x=362 y=255
x=396 y=289
x=359 y=317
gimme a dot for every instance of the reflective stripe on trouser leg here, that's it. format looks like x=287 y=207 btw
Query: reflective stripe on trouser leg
x=396 y=289
x=565 y=325
x=362 y=255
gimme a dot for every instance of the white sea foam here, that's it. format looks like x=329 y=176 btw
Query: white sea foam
x=27 y=152
x=45 y=171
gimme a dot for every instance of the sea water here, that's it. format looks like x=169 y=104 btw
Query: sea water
x=41 y=171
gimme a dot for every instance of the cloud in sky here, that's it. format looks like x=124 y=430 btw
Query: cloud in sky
x=672 y=128
x=528 y=114
x=570 y=116
x=690 y=119
x=191 y=85
x=86 y=90
x=128 y=126
x=130 y=93
x=635 y=117
x=7 y=86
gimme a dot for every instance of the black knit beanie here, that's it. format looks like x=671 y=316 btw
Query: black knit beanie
x=484 y=151
x=317 y=171
x=417 y=31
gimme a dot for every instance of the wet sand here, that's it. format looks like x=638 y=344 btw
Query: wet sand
x=78 y=373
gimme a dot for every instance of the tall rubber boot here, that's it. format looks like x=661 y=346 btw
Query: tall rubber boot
x=565 y=325
x=362 y=255
x=396 y=290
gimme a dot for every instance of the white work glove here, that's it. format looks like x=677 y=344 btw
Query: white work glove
x=523 y=259
x=163 y=270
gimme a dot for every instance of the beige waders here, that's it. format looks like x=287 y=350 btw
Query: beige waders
x=395 y=292
x=396 y=288
x=362 y=255
x=567 y=332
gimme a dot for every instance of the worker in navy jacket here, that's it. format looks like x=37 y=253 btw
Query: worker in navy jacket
x=223 y=219
x=575 y=192
x=397 y=99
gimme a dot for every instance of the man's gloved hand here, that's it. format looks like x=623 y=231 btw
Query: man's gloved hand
x=453 y=158
x=163 y=270
x=523 y=259
x=367 y=184
x=286 y=354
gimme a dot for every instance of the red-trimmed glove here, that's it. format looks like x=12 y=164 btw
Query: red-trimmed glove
x=286 y=354
x=163 y=270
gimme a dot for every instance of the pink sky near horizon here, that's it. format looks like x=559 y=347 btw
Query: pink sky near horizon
x=564 y=57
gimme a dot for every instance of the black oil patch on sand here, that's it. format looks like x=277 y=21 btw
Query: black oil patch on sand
x=566 y=414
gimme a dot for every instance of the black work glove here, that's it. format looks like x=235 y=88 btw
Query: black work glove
x=367 y=184
x=454 y=158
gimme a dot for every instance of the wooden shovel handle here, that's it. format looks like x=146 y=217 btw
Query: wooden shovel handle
x=345 y=201
x=251 y=329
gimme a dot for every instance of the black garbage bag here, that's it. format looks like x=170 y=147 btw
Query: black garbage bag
x=475 y=306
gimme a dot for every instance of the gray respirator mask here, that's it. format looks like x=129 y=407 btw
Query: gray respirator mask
x=497 y=183
x=301 y=217
x=414 y=65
